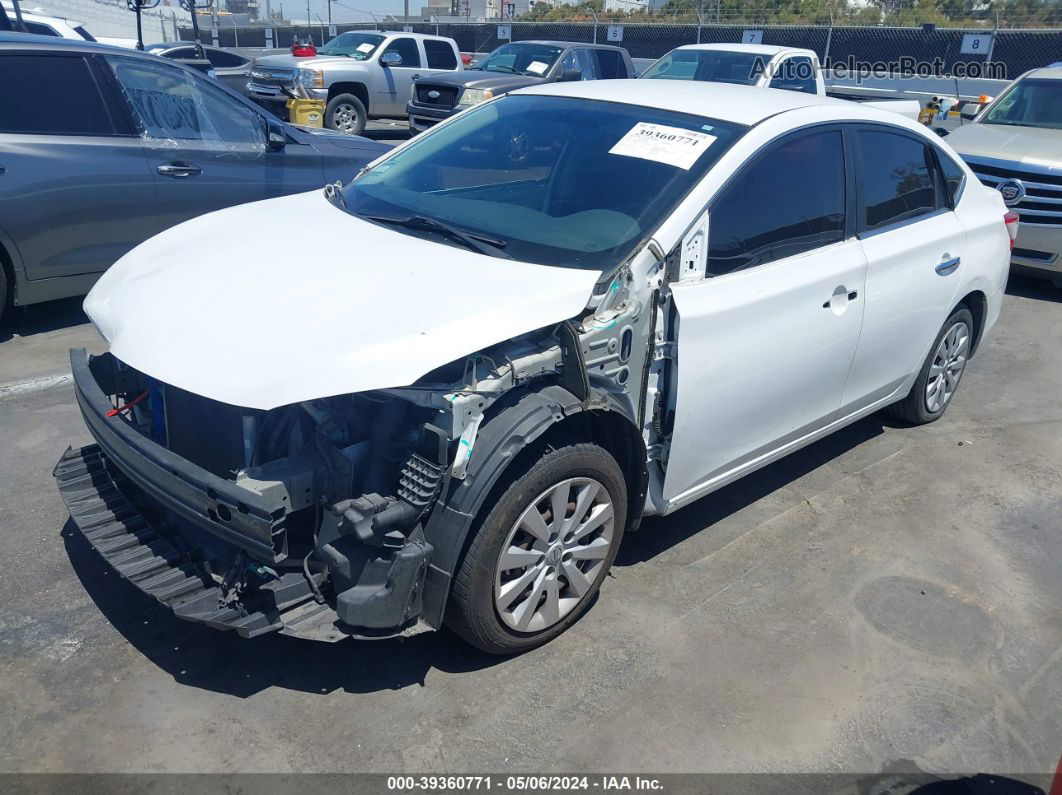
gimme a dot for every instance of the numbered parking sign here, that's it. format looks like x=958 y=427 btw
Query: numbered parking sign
x=615 y=33
x=407 y=28
x=269 y=37
x=505 y=32
x=976 y=43
x=214 y=36
x=752 y=37
x=331 y=30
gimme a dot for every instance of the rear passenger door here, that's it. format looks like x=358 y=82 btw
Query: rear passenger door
x=76 y=192
x=765 y=342
x=394 y=84
x=914 y=246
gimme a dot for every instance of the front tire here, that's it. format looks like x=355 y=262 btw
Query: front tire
x=346 y=113
x=538 y=558
x=939 y=377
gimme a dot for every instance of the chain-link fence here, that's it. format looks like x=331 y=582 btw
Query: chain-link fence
x=1015 y=51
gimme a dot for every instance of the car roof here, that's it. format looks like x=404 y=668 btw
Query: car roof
x=57 y=43
x=723 y=101
x=562 y=43
x=1049 y=73
x=769 y=50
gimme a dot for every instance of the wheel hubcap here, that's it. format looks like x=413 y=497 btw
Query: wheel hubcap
x=553 y=554
x=949 y=360
x=344 y=117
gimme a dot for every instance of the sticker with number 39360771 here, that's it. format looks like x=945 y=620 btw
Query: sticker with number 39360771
x=672 y=145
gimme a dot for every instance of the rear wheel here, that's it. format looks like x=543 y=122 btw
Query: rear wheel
x=346 y=113
x=3 y=293
x=939 y=377
x=538 y=558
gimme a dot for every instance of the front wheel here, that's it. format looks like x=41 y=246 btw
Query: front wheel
x=939 y=377
x=538 y=558
x=346 y=113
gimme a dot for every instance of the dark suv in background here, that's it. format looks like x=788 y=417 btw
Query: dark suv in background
x=512 y=66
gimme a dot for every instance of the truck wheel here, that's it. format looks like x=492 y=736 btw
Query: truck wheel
x=345 y=113
x=537 y=560
x=939 y=377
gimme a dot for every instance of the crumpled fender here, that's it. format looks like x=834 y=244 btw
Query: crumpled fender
x=500 y=440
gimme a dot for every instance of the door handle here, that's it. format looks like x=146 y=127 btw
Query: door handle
x=416 y=77
x=2 y=171
x=948 y=265
x=179 y=170
x=851 y=297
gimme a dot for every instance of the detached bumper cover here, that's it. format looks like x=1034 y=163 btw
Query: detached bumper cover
x=102 y=504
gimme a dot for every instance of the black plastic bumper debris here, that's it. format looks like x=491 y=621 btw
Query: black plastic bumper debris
x=101 y=504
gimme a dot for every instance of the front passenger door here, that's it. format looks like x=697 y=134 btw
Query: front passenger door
x=394 y=84
x=765 y=343
x=206 y=149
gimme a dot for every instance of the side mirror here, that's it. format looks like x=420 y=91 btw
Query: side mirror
x=276 y=137
x=390 y=59
x=940 y=131
x=969 y=115
x=569 y=75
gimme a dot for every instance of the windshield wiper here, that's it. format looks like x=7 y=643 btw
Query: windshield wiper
x=490 y=246
x=503 y=66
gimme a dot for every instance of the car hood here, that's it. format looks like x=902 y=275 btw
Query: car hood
x=1032 y=145
x=498 y=83
x=292 y=62
x=308 y=301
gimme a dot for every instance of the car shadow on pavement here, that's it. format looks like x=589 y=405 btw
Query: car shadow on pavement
x=658 y=534
x=223 y=662
x=27 y=321
x=1030 y=287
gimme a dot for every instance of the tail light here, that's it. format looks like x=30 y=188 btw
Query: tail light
x=1011 y=219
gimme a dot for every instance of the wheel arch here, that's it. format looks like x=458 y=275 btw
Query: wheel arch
x=512 y=436
x=977 y=302
x=360 y=90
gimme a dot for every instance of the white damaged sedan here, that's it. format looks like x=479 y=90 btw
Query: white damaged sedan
x=443 y=392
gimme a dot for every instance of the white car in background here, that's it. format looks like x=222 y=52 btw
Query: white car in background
x=540 y=339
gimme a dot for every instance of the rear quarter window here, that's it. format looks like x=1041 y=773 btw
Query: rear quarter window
x=610 y=65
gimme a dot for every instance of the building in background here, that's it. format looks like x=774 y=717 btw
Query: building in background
x=472 y=10
x=243 y=7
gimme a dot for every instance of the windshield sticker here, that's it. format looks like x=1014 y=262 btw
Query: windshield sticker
x=537 y=67
x=671 y=145
x=366 y=47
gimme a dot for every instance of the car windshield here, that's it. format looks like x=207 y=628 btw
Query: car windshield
x=551 y=180
x=1029 y=103
x=358 y=46
x=710 y=66
x=524 y=58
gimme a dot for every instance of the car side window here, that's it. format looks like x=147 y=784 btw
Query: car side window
x=953 y=176
x=440 y=54
x=51 y=95
x=788 y=201
x=609 y=64
x=896 y=173
x=796 y=74
x=171 y=104
x=182 y=52
x=407 y=48
x=39 y=29
x=225 y=60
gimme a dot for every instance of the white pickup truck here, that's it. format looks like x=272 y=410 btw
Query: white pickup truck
x=761 y=66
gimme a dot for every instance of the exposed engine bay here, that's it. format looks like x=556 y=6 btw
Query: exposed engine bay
x=329 y=501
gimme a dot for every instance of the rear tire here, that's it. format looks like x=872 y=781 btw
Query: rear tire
x=529 y=572
x=938 y=380
x=3 y=293
x=346 y=113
